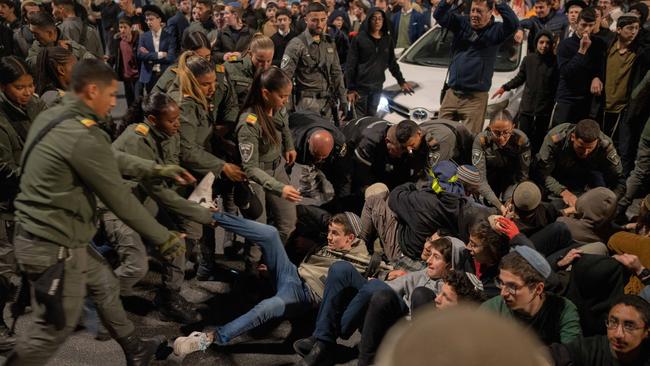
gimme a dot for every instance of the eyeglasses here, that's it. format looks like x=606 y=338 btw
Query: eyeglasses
x=474 y=245
x=510 y=288
x=628 y=327
x=502 y=133
x=376 y=19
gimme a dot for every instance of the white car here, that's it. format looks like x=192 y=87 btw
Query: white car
x=425 y=64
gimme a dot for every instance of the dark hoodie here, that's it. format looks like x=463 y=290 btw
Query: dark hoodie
x=369 y=58
x=541 y=75
x=340 y=37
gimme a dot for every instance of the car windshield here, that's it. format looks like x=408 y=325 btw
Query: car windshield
x=434 y=50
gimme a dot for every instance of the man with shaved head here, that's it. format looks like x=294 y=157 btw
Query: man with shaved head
x=321 y=149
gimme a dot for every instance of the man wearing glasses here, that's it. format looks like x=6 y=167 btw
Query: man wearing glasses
x=501 y=154
x=624 y=344
x=522 y=276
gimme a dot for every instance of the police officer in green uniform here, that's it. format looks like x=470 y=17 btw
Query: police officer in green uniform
x=199 y=136
x=157 y=139
x=575 y=157
x=240 y=72
x=312 y=61
x=638 y=183
x=18 y=108
x=264 y=138
x=66 y=163
x=70 y=14
x=47 y=34
x=501 y=154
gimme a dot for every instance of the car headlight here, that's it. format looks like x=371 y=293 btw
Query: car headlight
x=492 y=109
x=420 y=115
x=382 y=107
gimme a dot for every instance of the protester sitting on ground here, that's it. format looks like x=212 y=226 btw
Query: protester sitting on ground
x=298 y=289
x=593 y=222
x=340 y=318
x=529 y=212
x=625 y=343
x=522 y=274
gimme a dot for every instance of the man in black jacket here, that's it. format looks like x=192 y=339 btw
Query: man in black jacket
x=582 y=67
x=372 y=51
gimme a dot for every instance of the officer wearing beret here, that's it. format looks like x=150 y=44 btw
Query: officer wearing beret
x=67 y=163
x=574 y=157
x=502 y=155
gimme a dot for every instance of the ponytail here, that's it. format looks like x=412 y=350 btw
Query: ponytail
x=259 y=42
x=46 y=74
x=191 y=65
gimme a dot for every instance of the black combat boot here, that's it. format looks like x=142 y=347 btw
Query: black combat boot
x=7 y=291
x=140 y=351
x=174 y=307
x=321 y=355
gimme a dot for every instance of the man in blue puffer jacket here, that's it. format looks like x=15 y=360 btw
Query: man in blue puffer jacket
x=477 y=38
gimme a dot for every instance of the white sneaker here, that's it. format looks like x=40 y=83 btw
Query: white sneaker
x=196 y=341
x=202 y=194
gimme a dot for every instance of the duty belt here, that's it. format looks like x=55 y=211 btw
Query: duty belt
x=271 y=165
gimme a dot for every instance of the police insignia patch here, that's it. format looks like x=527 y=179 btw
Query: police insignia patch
x=526 y=157
x=476 y=156
x=343 y=151
x=251 y=118
x=613 y=157
x=246 y=151
x=285 y=61
x=434 y=158
x=142 y=129
x=220 y=69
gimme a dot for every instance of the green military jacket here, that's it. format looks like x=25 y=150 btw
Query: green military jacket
x=224 y=99
x=79 y=51
x=147 y=142
x=313 y=65
x=240 y=73
x=14 y=125
x=73 y=29
x=53 y=97
x=490 y=159
x=557 y=155
x=257 y=154
x=71 y=165
x=197 y=131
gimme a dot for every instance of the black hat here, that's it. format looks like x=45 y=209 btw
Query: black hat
x=571 y=3
x=154 y=9
x=247 y=201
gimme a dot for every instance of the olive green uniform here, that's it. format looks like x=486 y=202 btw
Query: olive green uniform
x=262 y=162
x=147 y=142
x=53 y=97
x=14 y=125
x=316 y=69
x=240 y=74
x=56 y=208
x=79 y=51
x=561 y=169
x=501 y=168
x=74 y=29
x=638 y=183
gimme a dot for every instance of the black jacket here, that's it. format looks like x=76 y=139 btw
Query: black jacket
x=280 y=43
x=577 y=70
x=369 y=58
x=230 y=40
x=541 y=75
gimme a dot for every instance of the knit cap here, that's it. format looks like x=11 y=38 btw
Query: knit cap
x=355 y=222
x=469 y=174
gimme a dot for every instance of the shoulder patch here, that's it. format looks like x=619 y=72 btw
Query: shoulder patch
x=220 y=69
x=482 y=139
x=232 y=58
x=142 y=129
x=285 y=61
x=246 y=151
x=61 y=92
x=251 y=118
x=88 y=122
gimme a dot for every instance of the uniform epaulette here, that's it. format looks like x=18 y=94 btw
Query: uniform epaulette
x=220 y=69
x=556 y=138
x=605 y=144
x=233 y=58
x=61 y=92
x=87 y=122
x=251 y=119
x=482 y=140
x=142 y=129
x=523 y=140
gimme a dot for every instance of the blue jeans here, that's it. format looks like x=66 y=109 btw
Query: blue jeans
x=291 y=294
x=345 y=300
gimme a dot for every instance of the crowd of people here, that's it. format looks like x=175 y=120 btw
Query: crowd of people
x=540 y=215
